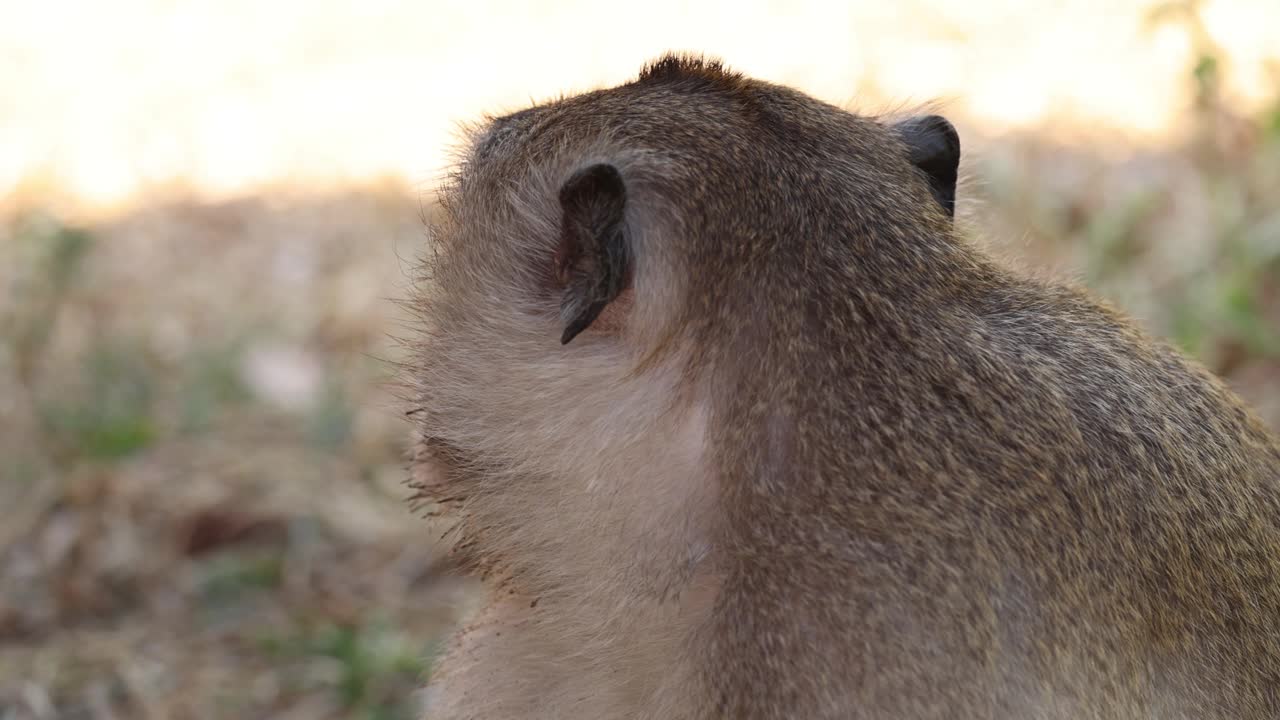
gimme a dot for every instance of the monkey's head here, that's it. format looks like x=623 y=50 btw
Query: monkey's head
x=598 y=253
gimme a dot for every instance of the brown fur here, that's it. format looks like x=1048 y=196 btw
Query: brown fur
x=824 y=459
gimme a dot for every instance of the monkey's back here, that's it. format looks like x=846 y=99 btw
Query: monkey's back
x=1037 y=512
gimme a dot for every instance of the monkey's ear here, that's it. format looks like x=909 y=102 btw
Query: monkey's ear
x=934 y=147
x=594 y=260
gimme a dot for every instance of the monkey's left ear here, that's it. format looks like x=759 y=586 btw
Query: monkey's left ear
x=934 y=147
x=594 y=261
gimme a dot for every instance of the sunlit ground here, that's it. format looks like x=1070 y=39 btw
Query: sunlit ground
x=207 y=211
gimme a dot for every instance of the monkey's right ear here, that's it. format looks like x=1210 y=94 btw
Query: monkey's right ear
x=593 y=262
x=934 y=147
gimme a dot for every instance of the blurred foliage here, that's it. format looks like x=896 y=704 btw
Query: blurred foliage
x=55 y=252
x=110 y=417
x=204 y=487
x=330 y=424
x=1188 y=240
x=1230 y=300
x=373 y=662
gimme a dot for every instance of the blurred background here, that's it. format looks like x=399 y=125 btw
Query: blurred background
x=208 y=211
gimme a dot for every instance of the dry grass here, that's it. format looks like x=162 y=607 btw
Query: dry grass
x=201 y=487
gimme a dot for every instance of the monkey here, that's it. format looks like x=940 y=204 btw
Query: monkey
x=733 y=422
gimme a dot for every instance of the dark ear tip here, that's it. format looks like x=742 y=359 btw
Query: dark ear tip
x=931 y=135
x=933 y=145
x=944 y=129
